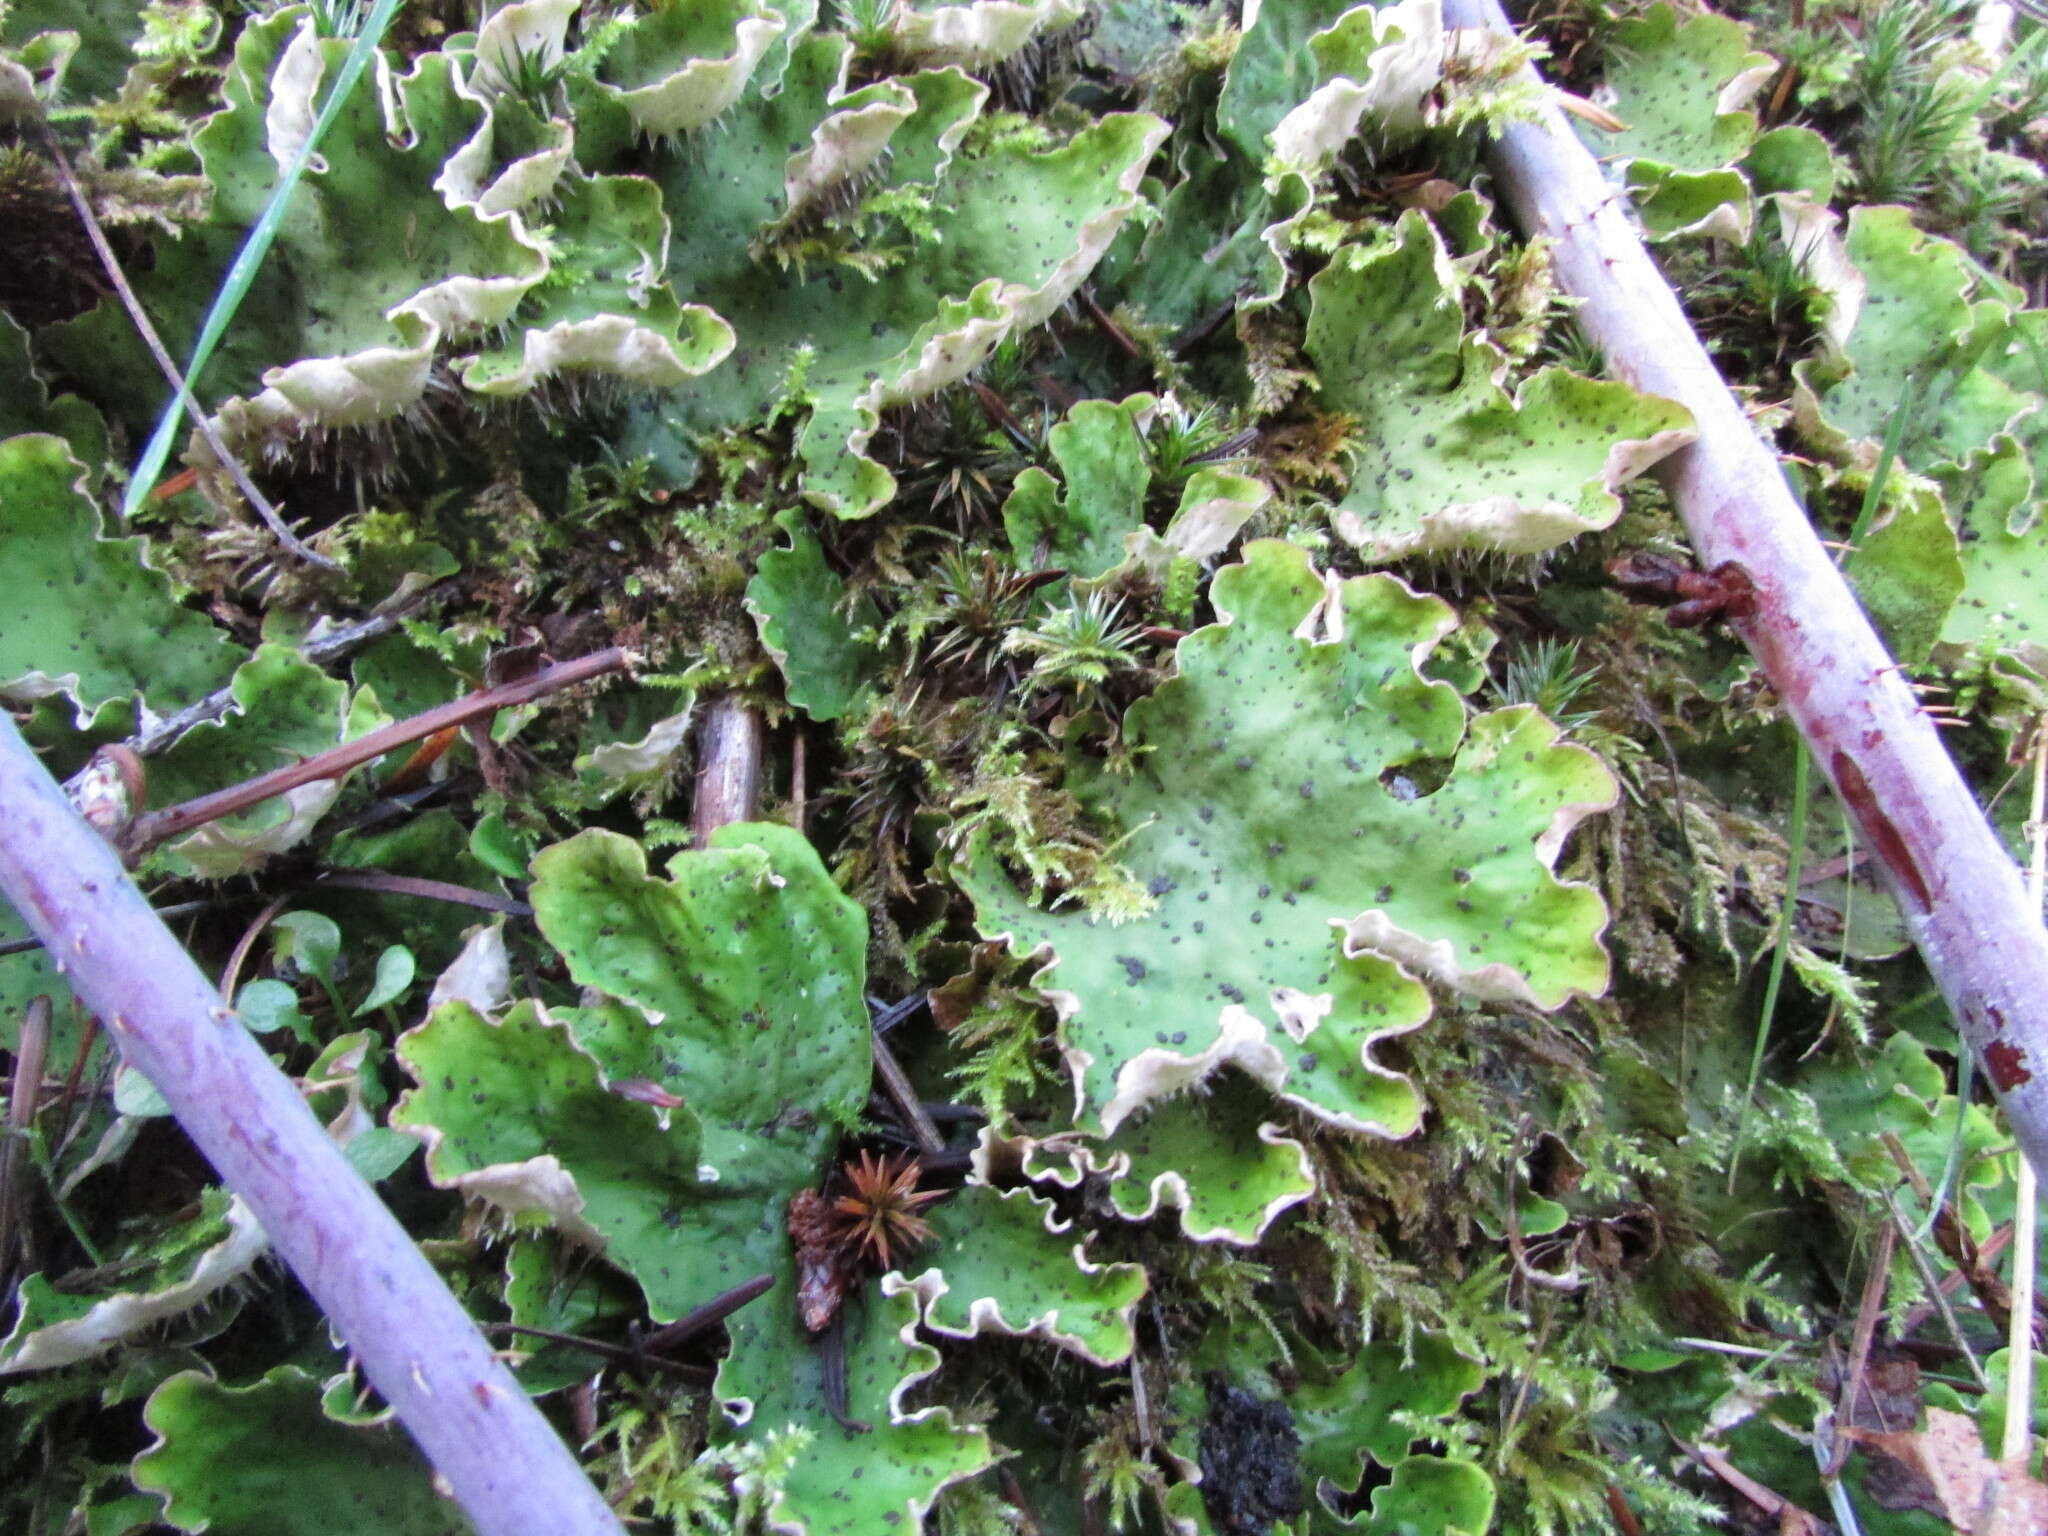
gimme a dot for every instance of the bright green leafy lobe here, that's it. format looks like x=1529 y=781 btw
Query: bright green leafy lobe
x=1215 y=241
x=848 y=1483
x=514 y=1113
x=978 y=33
x=548 y=1284
x=1446 y=458
x=800 y=607
x=368 y=238
x=866 y=319
x=2005 y=569
x=1930 y=335
x=1682 y=88
x=1284 y=872
x=739 y=989
x=749 y=965
x=1900 y=1092
x=83 y=615
x=1273 y=71
x=1100 y=449
x=1004 y=1262
x=164 y=1275
x=264 y=1460
x=676 y=67
x=1909 y=572
x=605 y=305
x=1096 y=523
x=1354 y=1414
x=1367 y=1416
x=1212 y=1156
x=1923 y=317
x=26 y=404
x=1427 y=1496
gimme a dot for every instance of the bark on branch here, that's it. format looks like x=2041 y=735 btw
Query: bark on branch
x=1958 y=890
x=418 y=1347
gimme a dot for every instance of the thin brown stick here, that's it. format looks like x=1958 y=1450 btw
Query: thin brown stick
x=1110 y=328
x=729 y=747
x=1014 y=1495
x=1625 y=1521
x=799 y=774
x=713 y=1312
x=1792 y=1520
x=231 y=973
x=320 y=651
x=1939 y=1290
x=420 y=886
x=328 y=647
x=272 y=519
x=87 y=1038
x=904 y=1097
x=1990 y=1289
x=1874 y=1285
x=146 y=831
x=651 y=1349
x=24 y=1098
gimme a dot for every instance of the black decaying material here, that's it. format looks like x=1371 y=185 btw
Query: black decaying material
x=1251 y=1461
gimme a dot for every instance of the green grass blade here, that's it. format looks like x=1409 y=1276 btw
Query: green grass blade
x=249 y=259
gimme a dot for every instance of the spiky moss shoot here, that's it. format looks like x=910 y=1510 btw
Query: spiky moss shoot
x=962 y=621
x=876 y=1212
x=899 y=757
x=961 y=452
x=1757 y=306
x=1078 y=650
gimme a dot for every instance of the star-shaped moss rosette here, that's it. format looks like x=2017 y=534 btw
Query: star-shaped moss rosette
x=735 y=986
x=1446 y=459
x=1294 y=872
x=1683 y=89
